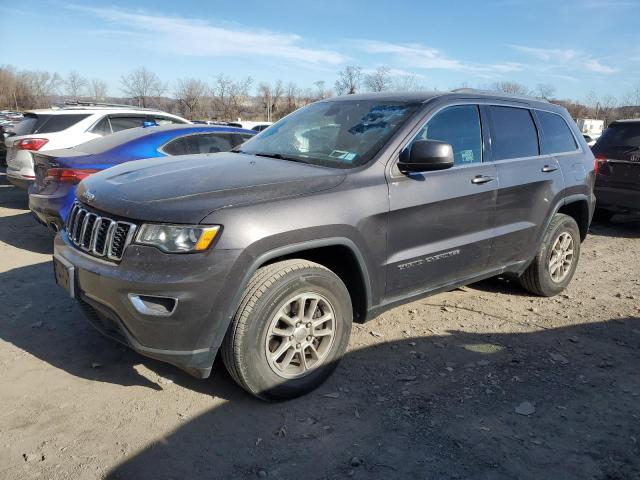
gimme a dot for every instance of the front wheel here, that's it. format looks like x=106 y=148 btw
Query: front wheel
x=290 y=331
x=555 y=263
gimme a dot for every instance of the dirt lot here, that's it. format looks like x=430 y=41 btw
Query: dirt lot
x=484 y=382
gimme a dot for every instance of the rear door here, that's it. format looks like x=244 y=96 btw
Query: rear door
x=529 y=183
x=440 y=223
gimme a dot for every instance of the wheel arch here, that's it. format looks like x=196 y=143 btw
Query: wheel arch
x=338 y=254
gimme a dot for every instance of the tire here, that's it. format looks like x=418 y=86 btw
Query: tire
x=250 y=345
x=602 y=216
x=538 y=278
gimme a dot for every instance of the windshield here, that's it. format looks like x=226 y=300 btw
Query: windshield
x=339 y=134
x=620 y=136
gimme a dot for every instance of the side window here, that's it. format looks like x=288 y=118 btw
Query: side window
x=102 y=127
x=180 y=146
x=215 y=142
x=513 y=133
x=458 y=126
x=124 y=123
x=557 y=136
x=240 y=138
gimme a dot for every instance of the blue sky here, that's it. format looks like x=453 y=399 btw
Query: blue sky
x=577 y=46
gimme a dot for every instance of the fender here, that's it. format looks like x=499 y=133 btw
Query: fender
x=577 y=197
x=225 y=317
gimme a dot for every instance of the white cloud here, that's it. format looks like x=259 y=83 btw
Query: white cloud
x=428 y=58
x=191 y=37
x=566 y=59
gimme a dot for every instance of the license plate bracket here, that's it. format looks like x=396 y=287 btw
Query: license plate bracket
x=65 y=275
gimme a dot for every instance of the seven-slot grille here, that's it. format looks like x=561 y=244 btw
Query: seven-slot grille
x=97 y=235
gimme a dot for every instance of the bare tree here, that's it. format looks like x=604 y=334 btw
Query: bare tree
x=98 y=90
x=379 y=80
x=632 y=97
x=190 y=93
x=320 y=91
x=608 y=108
x=75 y=85
x=142 y=84
x=545 y=91
x=406 y=83
x=231 y=96
x=349 y=80
x=41 y=85
x=269 y=97
x=291 y=98
x=512 y=88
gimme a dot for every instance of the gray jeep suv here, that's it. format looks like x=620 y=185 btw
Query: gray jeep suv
x=339 y=211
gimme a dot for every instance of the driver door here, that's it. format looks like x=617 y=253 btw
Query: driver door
x=441 y=222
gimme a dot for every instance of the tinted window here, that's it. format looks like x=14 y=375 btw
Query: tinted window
x=557 y=136
x=460 y=127
x=29 y=123
x=203 y=143
x=240 y=138
x=102 y=127
x=57 y=123
x=339 y=133
x=513 y=133
x=124 y=123
x=620 y=137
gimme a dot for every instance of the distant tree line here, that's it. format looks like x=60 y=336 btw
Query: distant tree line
x=227 y=98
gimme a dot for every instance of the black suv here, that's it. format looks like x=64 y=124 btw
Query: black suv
x=617 y=154
x=341 y=210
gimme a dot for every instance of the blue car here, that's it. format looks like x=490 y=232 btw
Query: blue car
x=59 y=171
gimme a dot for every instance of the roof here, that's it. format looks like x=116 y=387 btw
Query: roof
x=627 y=120
x=423 y=97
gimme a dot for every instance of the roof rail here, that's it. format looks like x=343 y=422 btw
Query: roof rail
x=498 y=94
x=84 y=103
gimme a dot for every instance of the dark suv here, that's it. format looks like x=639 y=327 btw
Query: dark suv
x=617 y=154
x=341 y=210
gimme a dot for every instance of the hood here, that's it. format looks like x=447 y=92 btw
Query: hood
x=186 y=189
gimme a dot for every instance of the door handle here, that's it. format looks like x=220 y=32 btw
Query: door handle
x=549 y=168
x=480 y=179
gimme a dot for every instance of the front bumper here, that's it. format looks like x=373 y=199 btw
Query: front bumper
x=189 y=336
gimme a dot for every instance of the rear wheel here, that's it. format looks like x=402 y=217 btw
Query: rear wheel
x=553 y=267
x=290 y=330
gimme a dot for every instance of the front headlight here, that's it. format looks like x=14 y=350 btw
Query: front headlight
x=177 y=238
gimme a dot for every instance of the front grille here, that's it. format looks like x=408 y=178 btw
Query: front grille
x=97 y=235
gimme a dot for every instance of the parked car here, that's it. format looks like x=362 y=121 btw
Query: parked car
x=59 y=171
x=617 y=153
x=339 y=211
x=68 y=126
x=590 y=141
x=256 y=126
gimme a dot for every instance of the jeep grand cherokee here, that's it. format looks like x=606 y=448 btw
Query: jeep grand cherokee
x=337 y=212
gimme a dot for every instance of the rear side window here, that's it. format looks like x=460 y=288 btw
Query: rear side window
x=102 y=127
x=513 y=133
x=123 y=123
x=202 y=143
x=458 y=126
x=557 y=136
x=57 y=123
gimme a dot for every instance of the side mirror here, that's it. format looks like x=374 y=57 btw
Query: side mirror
x=426 y=155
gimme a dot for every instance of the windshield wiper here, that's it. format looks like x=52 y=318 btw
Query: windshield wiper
x=279 y=156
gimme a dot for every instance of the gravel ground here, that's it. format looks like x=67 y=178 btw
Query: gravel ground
x=484 y=382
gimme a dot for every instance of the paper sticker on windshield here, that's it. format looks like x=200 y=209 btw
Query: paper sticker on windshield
x=343 y=155
x=467 y=156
